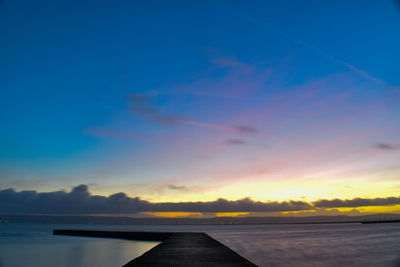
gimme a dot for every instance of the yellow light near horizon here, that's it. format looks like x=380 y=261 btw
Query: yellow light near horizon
x=373 y=209
x=308 y=189
x=277 y=188
x=172 y=214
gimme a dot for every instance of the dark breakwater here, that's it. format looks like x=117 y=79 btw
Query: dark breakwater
x=381 y=221
x=140 y=236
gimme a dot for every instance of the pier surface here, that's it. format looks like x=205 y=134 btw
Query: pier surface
x=190 y=249
x=176 y=249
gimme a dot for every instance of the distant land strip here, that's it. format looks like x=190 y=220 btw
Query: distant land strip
x=121 y=220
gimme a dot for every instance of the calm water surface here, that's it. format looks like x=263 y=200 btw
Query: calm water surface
x=34 y=245
x=265 y=245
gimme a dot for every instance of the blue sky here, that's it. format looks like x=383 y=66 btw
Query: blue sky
x=274 y=100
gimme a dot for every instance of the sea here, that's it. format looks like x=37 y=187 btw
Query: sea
x=344 y=244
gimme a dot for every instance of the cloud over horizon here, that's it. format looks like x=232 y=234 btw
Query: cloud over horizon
x=80 y=201
x=356 y=202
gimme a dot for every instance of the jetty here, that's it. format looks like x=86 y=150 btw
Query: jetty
x=175 y=249
x=138 y=236
x=382 y=221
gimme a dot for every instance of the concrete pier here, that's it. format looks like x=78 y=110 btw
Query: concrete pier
x=176 y=249
x=190 y=249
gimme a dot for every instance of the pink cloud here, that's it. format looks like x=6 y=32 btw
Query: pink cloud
x=141 y=106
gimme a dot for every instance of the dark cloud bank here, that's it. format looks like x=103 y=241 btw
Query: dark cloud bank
x=357 y=202
x=80 y=201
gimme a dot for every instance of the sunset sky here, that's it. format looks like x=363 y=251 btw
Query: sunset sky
x=188 y=101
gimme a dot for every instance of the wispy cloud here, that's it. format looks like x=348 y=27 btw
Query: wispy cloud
x=235 y=128
x=235 y=142
x=176 y=187
x=385 y=146
x=132 y=135
x=141 y=105
x=306 y=45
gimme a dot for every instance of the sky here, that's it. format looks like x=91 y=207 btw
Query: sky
x=290 y=103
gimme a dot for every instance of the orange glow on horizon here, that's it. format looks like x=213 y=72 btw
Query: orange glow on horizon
x=230 y=214
x=172 y=214
x=297 y=211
